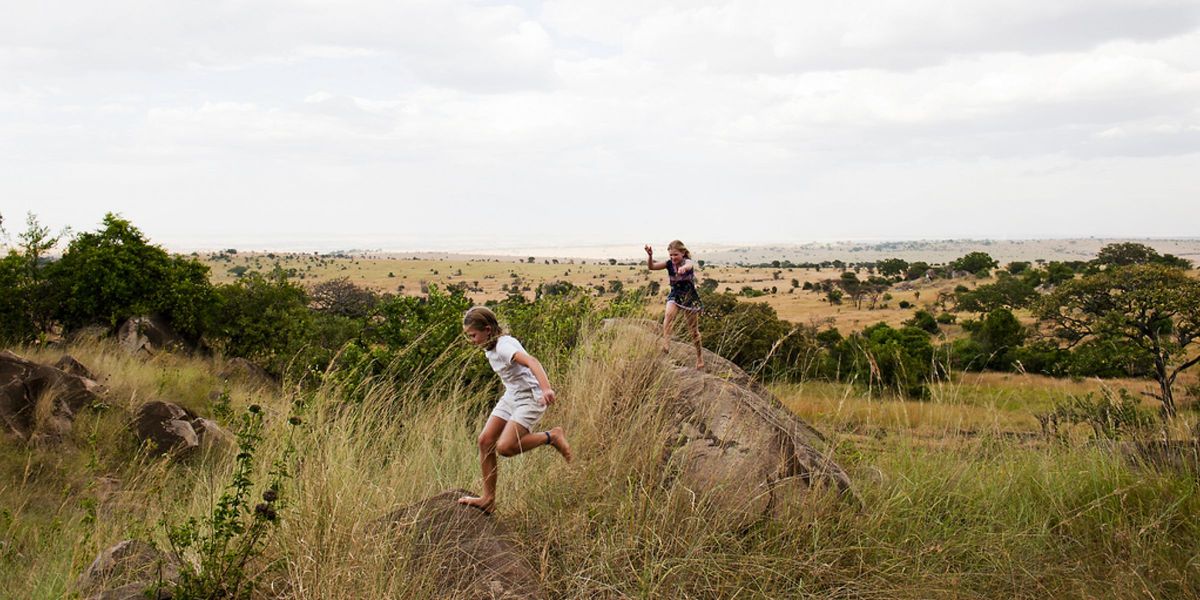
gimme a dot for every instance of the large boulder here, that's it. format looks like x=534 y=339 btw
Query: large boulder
x=170 y=428
x=248 y=372
x=40 y=400
x=127 y=570
x=148 y=335
x=469 y=551
x=69 y=364
x=729 y=440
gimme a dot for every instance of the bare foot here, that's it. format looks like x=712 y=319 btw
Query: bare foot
x=487 y=505
x=666 y=347
x=558 y=439
x=699 y=364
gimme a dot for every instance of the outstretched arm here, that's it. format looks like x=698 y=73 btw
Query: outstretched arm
x=650 y=264
x=688 y=265
x=533 y=364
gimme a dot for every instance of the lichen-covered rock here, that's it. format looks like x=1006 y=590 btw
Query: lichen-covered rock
x=40 y=401
x=469 y=551
x=728 y=439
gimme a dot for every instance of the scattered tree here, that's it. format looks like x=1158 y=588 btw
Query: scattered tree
x=1153 y=307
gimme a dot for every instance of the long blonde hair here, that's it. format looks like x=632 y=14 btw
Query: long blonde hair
x=679 y=247
x=481 y=318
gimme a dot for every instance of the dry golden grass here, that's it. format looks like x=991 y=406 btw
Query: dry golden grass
x=488 y=275
x=945 y=514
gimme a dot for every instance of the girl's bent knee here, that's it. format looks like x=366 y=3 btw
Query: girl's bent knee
x=508 y=450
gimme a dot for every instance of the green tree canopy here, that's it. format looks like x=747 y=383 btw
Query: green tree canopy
x=892 y=267
x=1124 y=254
x=114 y=273
x=1008 y=292
x=980 y=263
x=1153 y=307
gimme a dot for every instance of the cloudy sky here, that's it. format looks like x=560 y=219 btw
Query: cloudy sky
x=445 y=124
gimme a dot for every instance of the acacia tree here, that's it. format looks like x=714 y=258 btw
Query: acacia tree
x=1152 y=307
x=1132 y=253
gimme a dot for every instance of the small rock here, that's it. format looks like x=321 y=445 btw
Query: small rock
x=132 y=565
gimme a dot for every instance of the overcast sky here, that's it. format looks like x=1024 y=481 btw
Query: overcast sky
x=465 y=125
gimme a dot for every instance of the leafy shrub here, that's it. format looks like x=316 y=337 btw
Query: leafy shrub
x=752 y=336
x=886 y=358
x=115 y=273
x=1109 y=357
x=924 y=321
x=262 y=319
x=992 y=342
x=1110 y=416
x=1041 y=357
x=233 y=534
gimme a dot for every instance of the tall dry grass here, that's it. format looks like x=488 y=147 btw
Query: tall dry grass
x=992 y=518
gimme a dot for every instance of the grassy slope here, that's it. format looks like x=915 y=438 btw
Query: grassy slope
x=944 y=516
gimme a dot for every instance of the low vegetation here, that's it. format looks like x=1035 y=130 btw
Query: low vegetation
x=978 y=474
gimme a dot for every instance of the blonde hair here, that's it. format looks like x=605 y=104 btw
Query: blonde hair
x=481 y=318
x=678 y=246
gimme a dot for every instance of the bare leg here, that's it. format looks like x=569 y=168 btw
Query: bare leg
x=694 y=325
x=516 y=439
x=488 y=439
x=670 y=316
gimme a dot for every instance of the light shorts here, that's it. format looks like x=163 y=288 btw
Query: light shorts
x=523 y=408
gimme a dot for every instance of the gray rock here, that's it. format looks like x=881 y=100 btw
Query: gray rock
x=126 y=570
x=240 y=368
x=25 y=384
x=68 y=364
x=729 y=440
x=170 y=428
x=470 y=551
x=148 y=335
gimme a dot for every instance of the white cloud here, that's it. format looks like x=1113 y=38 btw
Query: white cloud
x=588 y=116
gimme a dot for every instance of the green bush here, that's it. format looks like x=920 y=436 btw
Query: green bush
x=17 y=297
x=114 y=273
x=262 y=319
x=886 y=359
x=992 y=342
x=1109 y=357
x=1111 y=416
x=924 y=321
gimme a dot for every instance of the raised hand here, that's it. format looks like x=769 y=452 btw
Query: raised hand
x=649 y=250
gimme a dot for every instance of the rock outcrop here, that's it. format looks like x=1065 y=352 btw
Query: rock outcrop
x=729 y=439
x=240 y=368
x=148 y=335
x=40 y=400
x=128 y=570
x=170 y=428
x=468 y=551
